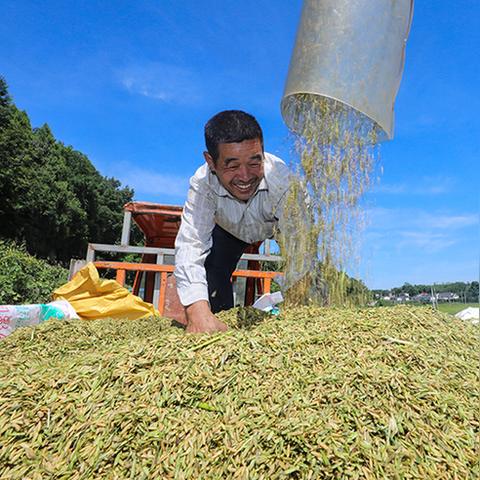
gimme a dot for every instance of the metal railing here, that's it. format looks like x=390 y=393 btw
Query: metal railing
x=163 y=271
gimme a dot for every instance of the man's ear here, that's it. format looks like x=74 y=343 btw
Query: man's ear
x=209 y=160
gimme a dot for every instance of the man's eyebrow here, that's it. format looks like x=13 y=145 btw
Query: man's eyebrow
x=256 y=157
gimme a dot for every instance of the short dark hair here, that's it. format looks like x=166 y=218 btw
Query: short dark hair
x=230 y=126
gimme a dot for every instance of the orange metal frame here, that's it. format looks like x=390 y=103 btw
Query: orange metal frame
x=164 y=270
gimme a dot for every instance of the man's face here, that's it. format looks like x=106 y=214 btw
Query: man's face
x=239 y=167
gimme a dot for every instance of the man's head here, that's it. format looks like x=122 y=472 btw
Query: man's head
x=234 y=153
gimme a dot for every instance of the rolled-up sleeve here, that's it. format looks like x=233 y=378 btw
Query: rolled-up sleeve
x=193 y=244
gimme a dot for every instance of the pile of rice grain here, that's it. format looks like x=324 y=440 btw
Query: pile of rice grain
x=313 y=394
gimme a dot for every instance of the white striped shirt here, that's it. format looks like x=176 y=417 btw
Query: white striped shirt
x=209 y=203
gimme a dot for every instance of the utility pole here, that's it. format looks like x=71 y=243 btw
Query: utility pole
x=434 y=298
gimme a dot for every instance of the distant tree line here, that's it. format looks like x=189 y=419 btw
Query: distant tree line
x=466 y=291
x=52 y=199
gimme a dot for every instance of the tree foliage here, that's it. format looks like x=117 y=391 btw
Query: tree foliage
x=53 y=199
x=466 y=291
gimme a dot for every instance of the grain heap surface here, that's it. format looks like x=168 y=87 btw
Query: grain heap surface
x=315 y=393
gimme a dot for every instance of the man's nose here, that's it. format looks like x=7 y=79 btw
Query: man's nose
x=244 y=173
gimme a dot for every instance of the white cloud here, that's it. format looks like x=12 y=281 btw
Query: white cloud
x=152 y=183
x=449 y=221
x=391 y=188
x=425 y=240
x=417 y=245
x=399 y=218
x=415 y=228
x=434 y=185
x=161 y=81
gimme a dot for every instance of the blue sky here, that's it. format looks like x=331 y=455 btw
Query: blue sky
x=131 y=84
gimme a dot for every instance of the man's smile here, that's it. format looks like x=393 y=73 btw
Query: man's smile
x=245 y=186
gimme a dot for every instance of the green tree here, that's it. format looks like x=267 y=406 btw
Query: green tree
x=15 y=142
x=472 y=292
x=102 y=198
x=53 y=199
x=53 y=220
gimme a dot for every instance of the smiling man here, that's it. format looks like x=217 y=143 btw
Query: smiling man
x=234 y=200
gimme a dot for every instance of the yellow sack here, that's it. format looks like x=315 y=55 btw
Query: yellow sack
x=94 y=298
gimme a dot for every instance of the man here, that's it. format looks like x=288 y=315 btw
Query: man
x=235 y=199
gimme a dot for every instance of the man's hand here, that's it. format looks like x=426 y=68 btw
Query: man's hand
x=200 y=319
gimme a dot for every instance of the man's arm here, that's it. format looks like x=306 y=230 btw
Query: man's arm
x=192 y=246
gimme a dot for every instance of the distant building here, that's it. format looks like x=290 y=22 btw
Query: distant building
x=402 y=298
x=447 y=297
x=423 y=297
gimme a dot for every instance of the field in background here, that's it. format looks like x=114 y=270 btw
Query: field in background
x=454 y=307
